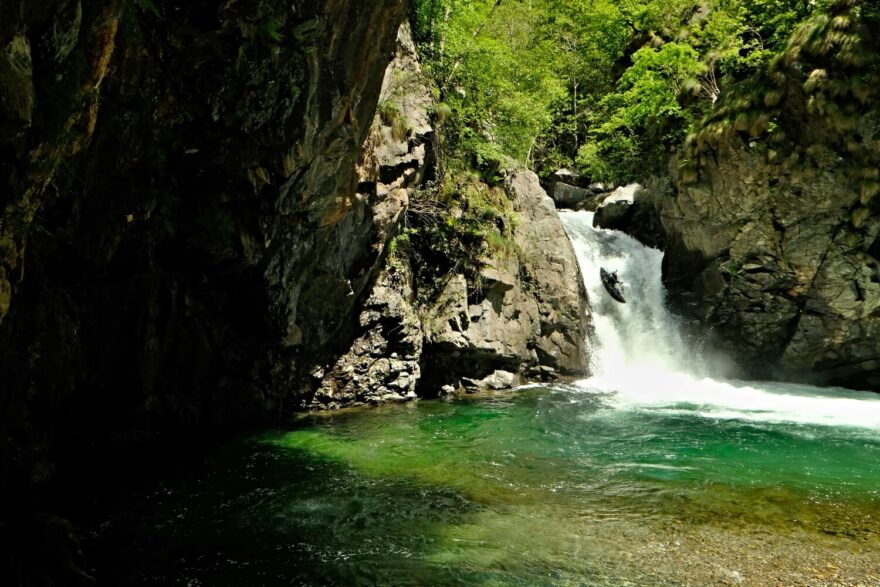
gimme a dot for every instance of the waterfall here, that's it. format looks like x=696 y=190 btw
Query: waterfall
x=640 y=359
x=640 y=333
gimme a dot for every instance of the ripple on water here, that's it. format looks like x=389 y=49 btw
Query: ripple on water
x=531 y=490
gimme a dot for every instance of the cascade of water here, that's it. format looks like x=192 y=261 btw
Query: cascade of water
x=640 y=333
x=641 y=360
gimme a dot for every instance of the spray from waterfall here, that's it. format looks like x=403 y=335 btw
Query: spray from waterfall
x=641 y=360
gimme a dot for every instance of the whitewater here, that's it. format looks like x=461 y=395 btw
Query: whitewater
x=641 y=360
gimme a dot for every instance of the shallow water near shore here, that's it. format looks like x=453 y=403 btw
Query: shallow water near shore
x=551 y=485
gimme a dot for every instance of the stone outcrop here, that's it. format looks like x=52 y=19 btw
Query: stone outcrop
x=383 y=362
x=772 y=228
x=527 y=317
x=187 y=222
x=530 y=314
x=568 y=196
x=776 y=261
x=631 y=209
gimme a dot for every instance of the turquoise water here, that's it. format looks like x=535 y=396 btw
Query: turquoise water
x=656 y=471
x=551 y=485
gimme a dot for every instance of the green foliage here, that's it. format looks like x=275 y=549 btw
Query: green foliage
x=495 y=76
x=613 y=86
x=828 y=73
x=459 y=225
x=270 y=30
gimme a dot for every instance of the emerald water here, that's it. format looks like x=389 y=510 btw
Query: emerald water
x=655 y=471
x=544 y=486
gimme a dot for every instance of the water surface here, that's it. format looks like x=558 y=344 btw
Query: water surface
x=546 y=486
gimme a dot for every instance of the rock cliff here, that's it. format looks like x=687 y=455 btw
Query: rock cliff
x=779 y=265
x=530 y=315
x=198 y=204
x=771 y=223
x=187 y=220
x=525 y=316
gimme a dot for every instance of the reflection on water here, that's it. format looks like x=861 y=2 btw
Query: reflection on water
x=548 y=486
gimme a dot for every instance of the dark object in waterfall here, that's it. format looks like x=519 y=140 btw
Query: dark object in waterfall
x=612 y=284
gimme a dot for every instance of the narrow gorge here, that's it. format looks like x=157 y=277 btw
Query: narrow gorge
x=308 y=293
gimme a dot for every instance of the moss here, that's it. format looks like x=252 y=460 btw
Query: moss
x=392 y=116
x=270 y=30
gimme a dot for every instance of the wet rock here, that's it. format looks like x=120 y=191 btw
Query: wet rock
x=500 y=380
x=774 y=264
x=626 y=194
x=495 y=381
x=612 y=215
x=631 y=209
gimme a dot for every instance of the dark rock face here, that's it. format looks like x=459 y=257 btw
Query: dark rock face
x=778 y=264
x=183 y=239
x=383 y=362
x=633 y=213
x=41 y=551
x=569 y=196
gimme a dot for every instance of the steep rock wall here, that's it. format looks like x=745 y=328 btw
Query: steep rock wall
x=777 y=264
x=527 y=318
x=772 y=224
x=182 y=237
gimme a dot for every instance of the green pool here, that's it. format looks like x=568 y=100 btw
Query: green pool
x=549 y=485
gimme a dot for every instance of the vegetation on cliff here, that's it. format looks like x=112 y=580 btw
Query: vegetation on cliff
x=615 y=88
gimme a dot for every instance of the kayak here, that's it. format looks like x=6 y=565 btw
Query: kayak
x=612 y=285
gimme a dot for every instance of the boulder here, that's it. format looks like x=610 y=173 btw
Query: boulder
x=496 y=381
x=530 y=311
x=569 y=196
x=628 y=193
x=631 y=209
x=612 y=215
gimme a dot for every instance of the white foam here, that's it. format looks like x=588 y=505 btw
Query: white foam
x=640 y=358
